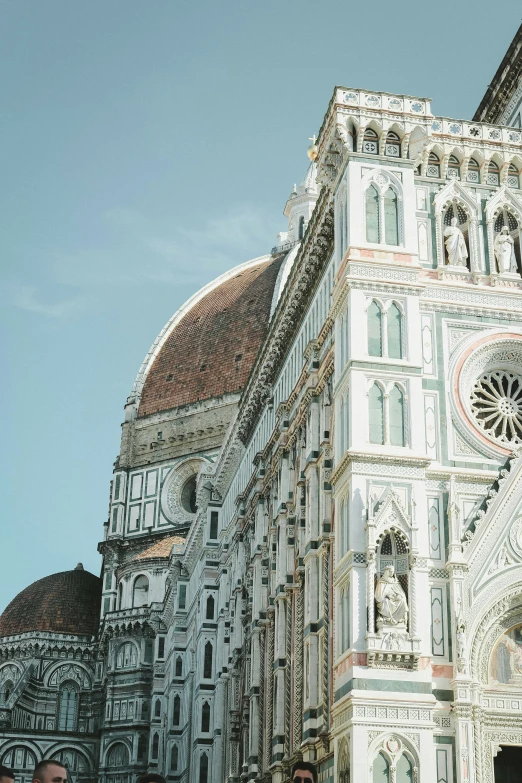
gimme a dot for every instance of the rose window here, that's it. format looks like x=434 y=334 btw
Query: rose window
x=496 y=403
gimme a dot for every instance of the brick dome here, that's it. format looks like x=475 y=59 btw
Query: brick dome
x=68 y=602
x=211 y=349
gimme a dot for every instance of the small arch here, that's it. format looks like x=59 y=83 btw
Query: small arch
x=374 y=319
x=209 y=614
x=203 y=768
x=142 y=748
x=391 y=217
x=394 y=331
x=207 y=660
x=179 y=667
x=176 y=711
x=381 y=769
x=155 y=746
x=140 y=591
x=370 y=142
x=513 y=177
x=396 y=408
x=404 y=773
x=473 y=174
x=433 y=167
x=205 y=717
x=493 y=175
x=117 y=755
x=393 y=145
x=174 y=758
x=157 y=708
x=453 y=171
x=372 y=215
x=376 y=414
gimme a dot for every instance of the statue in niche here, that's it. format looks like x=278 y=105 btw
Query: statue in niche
x=455 y=244
x=504 y=248
x=391 y=599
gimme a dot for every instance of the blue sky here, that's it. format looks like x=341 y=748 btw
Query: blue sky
x=149 y=145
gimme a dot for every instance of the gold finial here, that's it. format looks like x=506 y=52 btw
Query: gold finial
x=312 y=149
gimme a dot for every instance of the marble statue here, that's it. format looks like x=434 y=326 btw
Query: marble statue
x=391 y=599
x=504 y=248
x=455 y=244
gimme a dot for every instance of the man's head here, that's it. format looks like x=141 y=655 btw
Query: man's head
x=6 y=774
x=304 y=772
x=49 y=771
x=151 y=777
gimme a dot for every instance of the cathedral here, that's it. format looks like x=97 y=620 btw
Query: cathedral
x=314 y=542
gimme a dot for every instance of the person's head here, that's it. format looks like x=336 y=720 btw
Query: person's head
x=151 y=777
x=454 y=221
x=6 y=774
x=49 y=771
x=304 y=772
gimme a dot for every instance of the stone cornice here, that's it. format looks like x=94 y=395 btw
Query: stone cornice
x=503 y=84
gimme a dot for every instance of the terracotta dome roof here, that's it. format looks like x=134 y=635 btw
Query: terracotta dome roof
x=68 y=602
x=211 y=350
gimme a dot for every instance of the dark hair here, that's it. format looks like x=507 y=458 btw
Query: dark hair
x=5 y=772
x=305 y=766
x=43 y=764
x=151 y=777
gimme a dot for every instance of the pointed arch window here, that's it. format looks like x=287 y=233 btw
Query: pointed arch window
x=174 y=756
x=127 y=656
x=396 y=405
x=203 y=769
x=433 y=167
x=404 y=770
x=205 y=717
x=155 y=746
x=376 y=414
x=179 y=667
x=391 y=218
x=394 y=332
x=493 y=176
x=207 y=661
x=157 y=709
x=68 y=707
x=176 y=711
x=372 y=215
x=393 y=145
x=118 y=755
x=473 y=171
x=370 y=142
x=381 y=769
x=453 y=168
x=374 y=329
x=140 y=591
x=142 y=748
x=513 y=179
x=209 y=615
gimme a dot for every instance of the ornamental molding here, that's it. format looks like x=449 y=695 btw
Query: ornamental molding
x=488 y=301
x=170 y=497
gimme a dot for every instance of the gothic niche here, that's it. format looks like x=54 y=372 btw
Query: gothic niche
x=391 y=585
x=507 y=243
x=456 y=236
x=506 y=659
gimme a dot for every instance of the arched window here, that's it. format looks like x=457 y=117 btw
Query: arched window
x=207 y=661
x=179 y=667
x=404 y=770
x=142 y=747
x=68 y=707
x=381 y=769
x=433 y=167
x=301 y=227
x=376 y=414
x=513 y=179
x=391 y=218
x=203 y=768
x=473 y=171
x=157 y=709
x=393 y=145
x=205 y=717
x=155 y=746
x=127 y=656
x=145 y=710
x=22 y=759
x=140 y=592
x=374 y=329
x=118 y=755
x=174 y=755
x=372 y=214
x=396 y=403
x=176 y=711
x=370 y=142
x=453 y=168
x=73 y=761
x=394 y=329
x=493 y=177
x=210 y=608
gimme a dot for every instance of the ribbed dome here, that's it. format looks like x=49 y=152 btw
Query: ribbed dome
x=211 y=350
x=68 y=602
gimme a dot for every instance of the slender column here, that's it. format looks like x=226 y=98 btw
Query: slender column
x=269 y=694
x=325 y=638
x=412 y=589
x=262 y=728
x=298 y=666
x=370 y=590
x=288 y=679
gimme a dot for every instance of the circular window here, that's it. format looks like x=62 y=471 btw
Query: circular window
x=496 y=403
x=188 y=496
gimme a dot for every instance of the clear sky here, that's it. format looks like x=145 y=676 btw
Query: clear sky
x=148 y=146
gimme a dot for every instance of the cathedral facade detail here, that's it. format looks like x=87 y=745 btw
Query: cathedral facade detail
x=314 y=542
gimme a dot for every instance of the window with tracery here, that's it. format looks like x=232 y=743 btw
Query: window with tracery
x=370 y=142
x=493 y=175
x=513 y=179
x=433 y=167
x=127 y=656
x=68 y=707
x=140 y=592
x=381 y=769
x=393 y=145
x=473 y=171
x=382 y=213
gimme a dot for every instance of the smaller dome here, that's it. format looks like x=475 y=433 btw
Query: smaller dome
x=67 y=602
